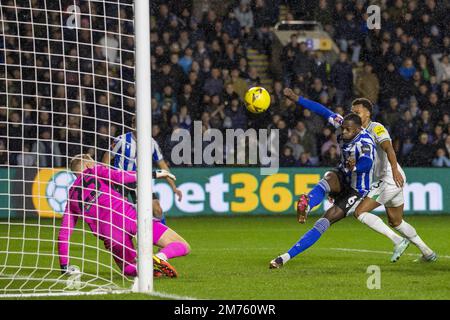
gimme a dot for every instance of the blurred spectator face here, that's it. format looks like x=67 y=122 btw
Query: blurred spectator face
x=423 y=89
x=349 y=16
x=287 y=151
x=14 y=117
x=332 y=151
x=281 y=124
x=433 y=98
x=343 y=57
x=438 y=130
x=417 y=76
x=447 y=141
x=425 y=115
x=407 y=115
x=317 y=84
x=46 y=135
x=391 y=67
x=166 y=69
x=205 y=117
x=168 y=91
x=187 y=89
x=393 y=103
x=229 y=89
x=440 y=153
x=408 y=63
x=155 y=130
x=397 y=48
x=300 y=126
x=294 y=139
x=174 y=58
x=215 y=73
x=368 y=68
x=235 y=105
x=446 y=118
x=276 y=118
x=215 y=100
x=163 y=10
x=423 y=139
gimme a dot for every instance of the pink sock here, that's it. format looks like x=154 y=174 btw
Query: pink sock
x=175 y=249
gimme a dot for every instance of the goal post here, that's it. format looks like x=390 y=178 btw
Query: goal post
x=144 y=133
x=73 y=74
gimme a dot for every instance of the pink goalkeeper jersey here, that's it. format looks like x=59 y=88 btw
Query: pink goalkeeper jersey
x=92 y=198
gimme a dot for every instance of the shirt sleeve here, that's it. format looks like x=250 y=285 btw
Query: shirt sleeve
x=116 y=145
x=68 y=223
x=115 y=175
x=380 y=133
x=157 y=154
x=365 y=157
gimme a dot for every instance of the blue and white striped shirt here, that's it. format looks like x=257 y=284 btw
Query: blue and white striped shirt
x=361 y=146
x=124 y=152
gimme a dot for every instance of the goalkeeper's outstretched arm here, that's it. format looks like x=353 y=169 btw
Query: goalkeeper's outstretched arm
x=333 y=118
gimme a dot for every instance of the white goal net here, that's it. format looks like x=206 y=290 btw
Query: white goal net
x=66 y=87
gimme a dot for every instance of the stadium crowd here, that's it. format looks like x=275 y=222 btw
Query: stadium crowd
x=200 y=71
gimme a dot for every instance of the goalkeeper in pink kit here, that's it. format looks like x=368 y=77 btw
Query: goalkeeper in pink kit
x=112 y=218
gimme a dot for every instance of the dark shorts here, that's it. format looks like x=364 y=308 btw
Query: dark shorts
x=348 y=198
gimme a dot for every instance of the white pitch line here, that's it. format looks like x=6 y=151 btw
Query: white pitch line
x=375 y=251
x=171 y=296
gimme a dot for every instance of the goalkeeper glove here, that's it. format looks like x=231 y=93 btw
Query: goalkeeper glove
x=158 y=174
x=335 y=120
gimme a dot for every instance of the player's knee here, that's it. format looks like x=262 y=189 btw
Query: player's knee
x=157 y=211
x=394 y=222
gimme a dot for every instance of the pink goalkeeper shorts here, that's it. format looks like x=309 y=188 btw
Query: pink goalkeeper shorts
x=158 y=230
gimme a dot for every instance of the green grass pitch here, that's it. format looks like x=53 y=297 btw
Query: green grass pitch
x=230 y=257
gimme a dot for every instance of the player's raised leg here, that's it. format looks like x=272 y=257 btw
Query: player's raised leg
x=395 y=215
x=172 y=245
x=306 y=202
x=363 y=214
x=332 y=215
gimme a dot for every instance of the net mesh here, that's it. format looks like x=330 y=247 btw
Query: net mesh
x=66 y=87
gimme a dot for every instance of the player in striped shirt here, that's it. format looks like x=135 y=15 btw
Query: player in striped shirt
x=387 y=188
x=123 y=154
x=350 y=182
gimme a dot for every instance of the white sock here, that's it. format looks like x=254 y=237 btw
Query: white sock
x=286 y=257
x=162 y=256
x=410 y=233
x=378 y=225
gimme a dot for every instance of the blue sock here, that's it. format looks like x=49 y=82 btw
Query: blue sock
x=318 y=193
x=310 y=237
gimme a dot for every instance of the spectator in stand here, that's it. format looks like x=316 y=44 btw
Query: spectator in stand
x=421 y=154
x=367 y=84
x=342 y=79
x=286 y=158
x=294 y=144
x=331 y=158
x=306 y=139
x=244 y=14
x=441 y=160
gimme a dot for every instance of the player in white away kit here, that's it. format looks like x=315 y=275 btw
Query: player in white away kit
x=387 y=189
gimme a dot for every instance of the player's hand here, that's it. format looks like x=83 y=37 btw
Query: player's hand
x=290 y=94
x=398 y=178
x=351 y=162
x=179 y=194
x=336 y=120
x=165 y=174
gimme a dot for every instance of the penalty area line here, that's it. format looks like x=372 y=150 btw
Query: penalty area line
x=379 y=252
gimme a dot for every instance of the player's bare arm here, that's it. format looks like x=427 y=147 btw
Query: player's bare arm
x=163 y=165
x=389 y=149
